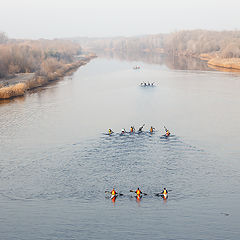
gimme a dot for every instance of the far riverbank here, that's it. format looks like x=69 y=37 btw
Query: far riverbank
x=220 y=49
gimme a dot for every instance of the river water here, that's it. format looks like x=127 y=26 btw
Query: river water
x=56 y=160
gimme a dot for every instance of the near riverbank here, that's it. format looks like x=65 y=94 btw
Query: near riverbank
x=26 y=64
x=22 y=82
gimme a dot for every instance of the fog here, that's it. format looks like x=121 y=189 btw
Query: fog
x=107 y=18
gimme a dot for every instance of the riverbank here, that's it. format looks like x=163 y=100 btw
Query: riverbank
x=213 y=60
x=220 y=49
x=221 y=64
x=225 y=63
x=19 y=84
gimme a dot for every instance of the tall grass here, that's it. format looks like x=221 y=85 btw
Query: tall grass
x=38 y=81
x=13 y=91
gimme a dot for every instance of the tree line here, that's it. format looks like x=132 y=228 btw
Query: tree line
x=223 y=44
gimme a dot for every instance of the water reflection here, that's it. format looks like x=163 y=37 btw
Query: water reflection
x=222 y=69
x=172 y=62
x=38 y=91
x=16 y=100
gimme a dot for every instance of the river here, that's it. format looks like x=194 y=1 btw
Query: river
x=56 y=160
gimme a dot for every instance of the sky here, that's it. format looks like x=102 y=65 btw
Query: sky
x=108 y=18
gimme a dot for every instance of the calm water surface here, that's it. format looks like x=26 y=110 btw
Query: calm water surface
x=56 y=162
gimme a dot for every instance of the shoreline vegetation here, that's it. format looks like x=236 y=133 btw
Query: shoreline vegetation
x=220 y=49
x=28 y=64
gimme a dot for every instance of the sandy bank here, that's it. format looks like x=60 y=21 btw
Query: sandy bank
x=21 y=83
x=229 y=63
x=214 y=61
x=221 y=64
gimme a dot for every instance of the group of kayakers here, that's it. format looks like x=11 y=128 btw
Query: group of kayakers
x=148 y=84
x=132 y=130
x=139 y=193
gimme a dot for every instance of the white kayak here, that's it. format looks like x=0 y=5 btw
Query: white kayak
x=113 y=196
x=165 y=196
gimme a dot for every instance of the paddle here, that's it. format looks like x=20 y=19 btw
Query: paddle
x=140 y=129
x=135 y=192
x=167 y=190
x=161 y=193
x=158 y=194
x=120 y=194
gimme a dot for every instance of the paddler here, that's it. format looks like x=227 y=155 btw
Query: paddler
x=164 y=193
x=113 y=196
x=132 y=129
x=152 y=129
x=123 y=130
x=167 y=132
x=113 y=192
x=110 y=131
x=138 y=192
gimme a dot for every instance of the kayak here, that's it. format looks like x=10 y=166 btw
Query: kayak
x=147 y=85
x=114 y=196
x=164 y=136
x=138 y=197
x=108 y=134
x=164 y=196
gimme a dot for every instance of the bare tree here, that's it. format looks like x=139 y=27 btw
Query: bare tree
x=3 y=38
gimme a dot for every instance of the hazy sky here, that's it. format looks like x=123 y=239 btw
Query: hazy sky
x=104 y=18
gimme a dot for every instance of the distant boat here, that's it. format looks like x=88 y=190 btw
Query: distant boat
x=144 y=84
x=136 y=67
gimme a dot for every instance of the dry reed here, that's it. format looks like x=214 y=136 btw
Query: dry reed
x=38 y=81
x=13 y=91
